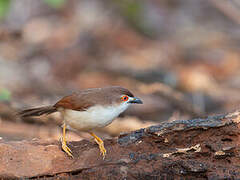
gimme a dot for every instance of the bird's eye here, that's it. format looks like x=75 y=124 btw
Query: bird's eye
x=124 y=98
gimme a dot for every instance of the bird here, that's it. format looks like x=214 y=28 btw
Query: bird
x=87 y=110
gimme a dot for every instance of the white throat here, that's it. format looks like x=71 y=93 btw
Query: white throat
x=94 y=117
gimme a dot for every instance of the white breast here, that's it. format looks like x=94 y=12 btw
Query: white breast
x=94 y=117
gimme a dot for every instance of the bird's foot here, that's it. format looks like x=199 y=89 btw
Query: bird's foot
x=100 y=144
x=101 y=148
x=103 y=151
x=66 y=148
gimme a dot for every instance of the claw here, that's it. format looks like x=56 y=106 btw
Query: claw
x=102 y=150
x=100 y=144
x=67 y=149
x=64 y=143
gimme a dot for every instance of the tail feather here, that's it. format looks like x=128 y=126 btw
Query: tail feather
x=37 y=111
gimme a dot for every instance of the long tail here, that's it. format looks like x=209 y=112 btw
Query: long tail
x=37 y=111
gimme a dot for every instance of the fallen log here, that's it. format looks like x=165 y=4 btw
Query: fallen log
x=206 y=148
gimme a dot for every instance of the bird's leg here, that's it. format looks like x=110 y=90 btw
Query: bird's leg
x=64 y=142
x=100 y=144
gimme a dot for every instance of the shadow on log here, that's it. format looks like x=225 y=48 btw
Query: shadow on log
x=193 y=149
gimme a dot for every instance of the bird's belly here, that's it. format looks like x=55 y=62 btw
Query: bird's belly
x=93 y=118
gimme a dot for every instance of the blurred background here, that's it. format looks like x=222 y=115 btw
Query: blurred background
x=181 y=57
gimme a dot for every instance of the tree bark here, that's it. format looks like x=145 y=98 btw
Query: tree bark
x=206 y=148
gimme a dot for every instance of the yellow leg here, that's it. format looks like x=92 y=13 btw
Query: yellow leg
x=100 y=144
x=64 y=142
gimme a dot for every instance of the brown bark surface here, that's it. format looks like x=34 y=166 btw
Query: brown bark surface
x=206 y=148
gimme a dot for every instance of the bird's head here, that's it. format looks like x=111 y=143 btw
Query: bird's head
x=130 y=100
x=121 y=95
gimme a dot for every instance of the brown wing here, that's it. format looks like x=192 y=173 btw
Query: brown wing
x=82 y=100
x=74 y=102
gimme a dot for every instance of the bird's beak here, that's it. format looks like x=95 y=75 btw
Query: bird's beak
x=135 y=101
